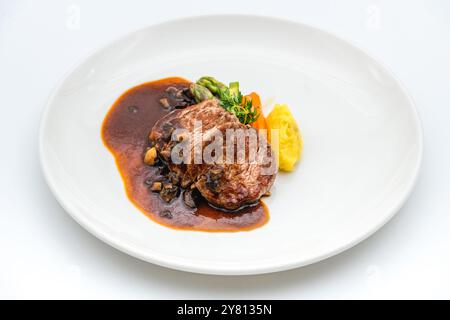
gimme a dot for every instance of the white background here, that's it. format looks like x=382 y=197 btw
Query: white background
x=45 y=254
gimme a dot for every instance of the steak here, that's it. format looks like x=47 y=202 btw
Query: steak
x=232 y=177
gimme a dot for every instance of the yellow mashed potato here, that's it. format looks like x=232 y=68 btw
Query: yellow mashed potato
x=289 y=149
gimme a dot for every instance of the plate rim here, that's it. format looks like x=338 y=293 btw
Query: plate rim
x=171 y=261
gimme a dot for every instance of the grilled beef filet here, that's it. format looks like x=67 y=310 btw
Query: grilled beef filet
x=223 y=183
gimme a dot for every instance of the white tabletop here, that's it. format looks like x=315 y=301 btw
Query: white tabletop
x=46 y=254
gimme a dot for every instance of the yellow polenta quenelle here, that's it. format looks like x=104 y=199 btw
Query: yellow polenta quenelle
x=289 y=140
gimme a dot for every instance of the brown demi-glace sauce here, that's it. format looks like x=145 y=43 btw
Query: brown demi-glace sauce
x=125 y=133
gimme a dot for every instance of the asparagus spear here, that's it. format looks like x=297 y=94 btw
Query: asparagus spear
x=234 y=91
x=200 y=92
x=215 y=86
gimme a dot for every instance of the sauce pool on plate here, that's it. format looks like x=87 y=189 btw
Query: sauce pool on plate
x=125 y=133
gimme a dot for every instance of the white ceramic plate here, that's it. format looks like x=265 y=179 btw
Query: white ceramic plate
x=362 y=141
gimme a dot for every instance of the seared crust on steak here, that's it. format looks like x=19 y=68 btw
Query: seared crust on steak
x=225 y=184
